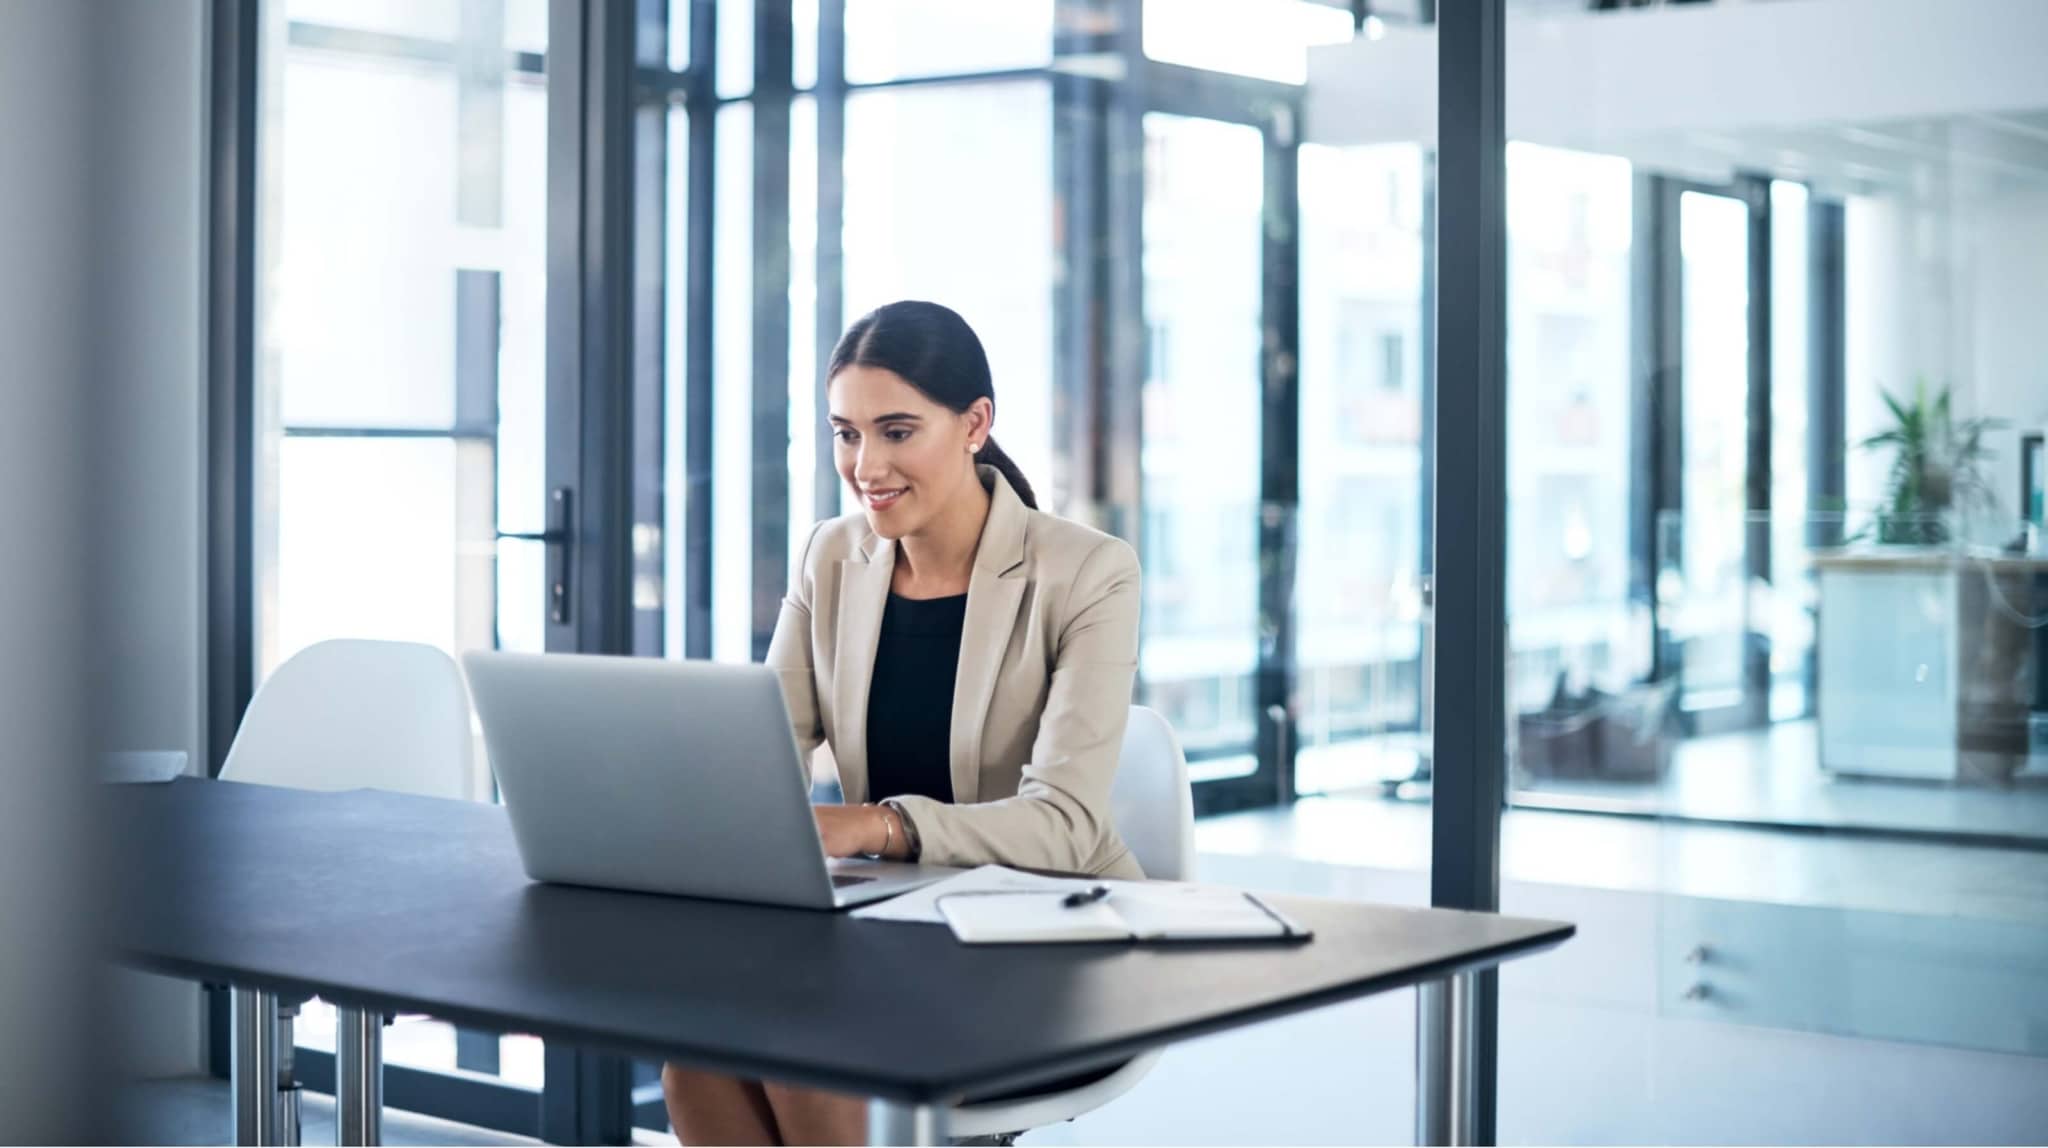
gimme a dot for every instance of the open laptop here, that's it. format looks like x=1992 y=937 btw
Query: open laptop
x=662 y=777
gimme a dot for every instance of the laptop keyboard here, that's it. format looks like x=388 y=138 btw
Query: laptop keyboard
x=842 y=880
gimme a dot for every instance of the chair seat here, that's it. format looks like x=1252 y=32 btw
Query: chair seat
x=1062 y=1101
x=1154 y=811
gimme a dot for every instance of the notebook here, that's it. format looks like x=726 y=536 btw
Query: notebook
x=1125 y=912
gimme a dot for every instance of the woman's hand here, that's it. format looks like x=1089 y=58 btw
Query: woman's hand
x=857 y=830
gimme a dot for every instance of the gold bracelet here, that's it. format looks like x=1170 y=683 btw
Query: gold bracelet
x=888 y=833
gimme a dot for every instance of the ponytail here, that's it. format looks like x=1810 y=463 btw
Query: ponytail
x=996 y=457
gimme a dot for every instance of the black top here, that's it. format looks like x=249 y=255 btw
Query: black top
x=910 y=698
x=395 y=903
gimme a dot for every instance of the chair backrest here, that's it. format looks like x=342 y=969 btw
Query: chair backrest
x=1151 y=800
x=350 y=714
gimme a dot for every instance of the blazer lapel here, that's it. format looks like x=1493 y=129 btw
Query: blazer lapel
x=863 y=595
x=995 y=590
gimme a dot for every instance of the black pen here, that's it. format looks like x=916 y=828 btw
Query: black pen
x=1080 y=897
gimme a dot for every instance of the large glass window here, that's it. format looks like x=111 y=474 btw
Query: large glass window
x=901 y=39
x=938 y=207
x=732 y=389
x=400 y=335
x=1709 y=617
x=1359 y=588
x=1796 y=517
x=1203 y=200
x=1571 y=624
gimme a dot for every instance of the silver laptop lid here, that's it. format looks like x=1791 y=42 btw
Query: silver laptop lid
x=640 y=773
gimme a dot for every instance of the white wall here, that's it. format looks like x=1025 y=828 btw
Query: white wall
x=147 y=445
x=2008 y=295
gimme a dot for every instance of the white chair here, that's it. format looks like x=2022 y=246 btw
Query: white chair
x=356 y=714
x=1154 y=810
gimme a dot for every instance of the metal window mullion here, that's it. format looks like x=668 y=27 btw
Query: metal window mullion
x=1279 y=452
x=1755 y=192
x=647 y=250
x=830 y=95
x=231 y=364
x=1426 y=484
x=1827 y=442
x=699 y=300
x=589 y=313
x=1469 y=775
x=1186 y=91
x=1646 y=344
x=1123 y=152
x=774 y=55
x=1660 y=324
x=587 y=1098
x=234 y=31
x=1082 y=292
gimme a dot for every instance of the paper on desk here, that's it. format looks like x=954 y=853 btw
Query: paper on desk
x=921 y=905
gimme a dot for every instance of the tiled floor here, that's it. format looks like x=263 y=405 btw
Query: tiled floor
x=1644 y=855
x=1774 y=775
x=201 y=1111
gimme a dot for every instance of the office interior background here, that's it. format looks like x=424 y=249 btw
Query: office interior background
x=1778 y=711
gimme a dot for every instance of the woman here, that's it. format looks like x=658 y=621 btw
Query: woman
x=967 y=659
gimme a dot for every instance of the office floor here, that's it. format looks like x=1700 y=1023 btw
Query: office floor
x=1774 y=775
x=200 y=1110
x=1770 y=776
x=1647 y=855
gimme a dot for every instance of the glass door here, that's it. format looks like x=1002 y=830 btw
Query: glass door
x=400 y=388
x=1213 y=538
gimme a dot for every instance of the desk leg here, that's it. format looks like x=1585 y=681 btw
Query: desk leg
x=905 y=1124
x=255 y=1067
x=1445 y=1112
x=288 y=1091
x=358 y=1077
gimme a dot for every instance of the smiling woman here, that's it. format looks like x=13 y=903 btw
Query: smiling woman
x=934 y=356
x=967 y=658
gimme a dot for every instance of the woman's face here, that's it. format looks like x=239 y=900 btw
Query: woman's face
x=905 y=457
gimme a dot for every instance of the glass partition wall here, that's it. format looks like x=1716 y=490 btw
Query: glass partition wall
x=1796 y=771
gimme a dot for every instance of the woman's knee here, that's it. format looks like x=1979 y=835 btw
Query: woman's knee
x=712 y=1108
x=812 y=1116
x=678 y=1083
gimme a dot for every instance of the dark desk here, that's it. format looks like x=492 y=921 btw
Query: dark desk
x=387 y=903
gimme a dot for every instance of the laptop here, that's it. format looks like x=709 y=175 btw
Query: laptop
x=663 y=777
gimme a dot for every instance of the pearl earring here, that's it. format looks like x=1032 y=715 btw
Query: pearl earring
x=974 y=448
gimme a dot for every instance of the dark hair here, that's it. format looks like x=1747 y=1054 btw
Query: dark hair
x=933 y=349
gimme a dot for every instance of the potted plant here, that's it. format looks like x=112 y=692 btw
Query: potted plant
x=1936 y=470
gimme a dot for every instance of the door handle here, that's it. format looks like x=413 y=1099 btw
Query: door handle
x=558 y=537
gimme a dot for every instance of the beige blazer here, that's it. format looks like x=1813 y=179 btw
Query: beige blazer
x=1048 y=653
